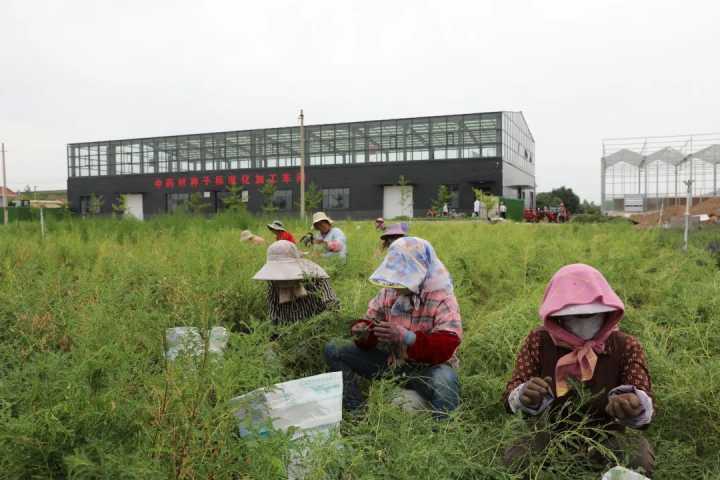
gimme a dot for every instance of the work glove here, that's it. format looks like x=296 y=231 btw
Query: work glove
x=393 y=333
x=623 y=406
x=360 y=331
x=535 y=390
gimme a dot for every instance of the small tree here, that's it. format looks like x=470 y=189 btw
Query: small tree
x=405 y=195
x=121 y=207
x=268 y=192
x=547 y=199
x=195 y=203
x=590 y=208
x=27 y=193
x=568 y=197
x=490 y=201
x=95 y=204
x=233 y=200
x=313 y=198
x=443 y=196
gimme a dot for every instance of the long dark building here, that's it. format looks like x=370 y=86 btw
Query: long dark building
x=356 y=166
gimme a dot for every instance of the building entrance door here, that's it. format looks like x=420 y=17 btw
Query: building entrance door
x=135 y=205
x=397 y=201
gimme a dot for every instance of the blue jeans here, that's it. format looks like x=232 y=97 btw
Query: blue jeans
x=438 y=384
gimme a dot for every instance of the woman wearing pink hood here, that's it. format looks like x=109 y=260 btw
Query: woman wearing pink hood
x=580 y=339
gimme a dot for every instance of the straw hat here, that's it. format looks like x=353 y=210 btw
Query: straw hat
x=284 y=262
x=277 y=226
x=246 y=235
x=395 y=230
x=319 y=217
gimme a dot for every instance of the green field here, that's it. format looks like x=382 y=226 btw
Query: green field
x=85 y=391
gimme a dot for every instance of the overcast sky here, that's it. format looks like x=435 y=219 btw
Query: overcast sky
x=86 y=70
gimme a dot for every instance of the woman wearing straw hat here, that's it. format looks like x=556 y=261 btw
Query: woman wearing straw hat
x=330 y=237
x=280 y=232
x=248 y=236
x=297 y=288
x=392 y=233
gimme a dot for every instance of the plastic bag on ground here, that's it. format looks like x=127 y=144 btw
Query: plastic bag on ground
x=218 y=340
x=622 y=473
x=183 y=340
x=312 y=405
x=188 y=341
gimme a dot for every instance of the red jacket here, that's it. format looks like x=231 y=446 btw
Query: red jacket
x=286 y=236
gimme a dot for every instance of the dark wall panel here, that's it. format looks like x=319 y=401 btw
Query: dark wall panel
x=365 y=182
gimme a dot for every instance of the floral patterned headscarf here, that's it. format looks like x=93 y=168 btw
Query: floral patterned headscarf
x=411 y=262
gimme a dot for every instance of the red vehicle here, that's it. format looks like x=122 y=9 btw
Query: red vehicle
x=530 y=215
x=550 y=215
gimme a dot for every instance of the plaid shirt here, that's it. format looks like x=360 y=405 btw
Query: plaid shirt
x=436 y=311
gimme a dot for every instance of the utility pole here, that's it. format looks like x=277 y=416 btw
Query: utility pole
x=302 y=165
x=4 y=193
x=688 y=201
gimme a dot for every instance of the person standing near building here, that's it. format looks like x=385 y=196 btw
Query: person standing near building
x=562 y=213
x=280 y=232
x=446 y=210
x=412 y=327
x=330 y=237
x=476 y=208
x=503 y=209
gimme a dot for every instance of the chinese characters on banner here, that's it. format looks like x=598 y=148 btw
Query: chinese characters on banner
x=195 y=181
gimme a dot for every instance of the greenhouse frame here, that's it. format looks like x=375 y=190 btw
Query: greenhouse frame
x=357 y=165
x=641 y=174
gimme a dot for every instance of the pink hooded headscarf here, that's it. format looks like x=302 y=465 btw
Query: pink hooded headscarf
x=578 y=284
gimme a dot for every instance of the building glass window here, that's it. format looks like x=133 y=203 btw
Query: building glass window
x=489 y=151
x=282 y=200
x=336 y=198
x=84 y=205
x=175 y=201
x=454 y=191
x=471 y=136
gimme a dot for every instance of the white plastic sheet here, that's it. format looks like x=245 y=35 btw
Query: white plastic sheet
x=622 y=473
x=312 y=405
x=183 y=341
x=187 y=341
x=218 y=340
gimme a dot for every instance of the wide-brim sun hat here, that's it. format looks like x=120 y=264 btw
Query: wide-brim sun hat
x=587 y=309
x=319 y=217
x=246 y=235
x=277 y=226
x=394 y=230
x=284 y=262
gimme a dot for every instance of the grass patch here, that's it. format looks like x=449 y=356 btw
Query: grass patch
x=85 y=391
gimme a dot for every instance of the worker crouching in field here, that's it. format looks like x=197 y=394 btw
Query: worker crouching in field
x=412 y=327
x=331 y=238
x=297 y=288
x=280 y=231
x=392 y=233
x=580 y=339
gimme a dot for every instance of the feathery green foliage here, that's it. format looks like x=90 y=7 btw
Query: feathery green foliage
x=85 y=391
